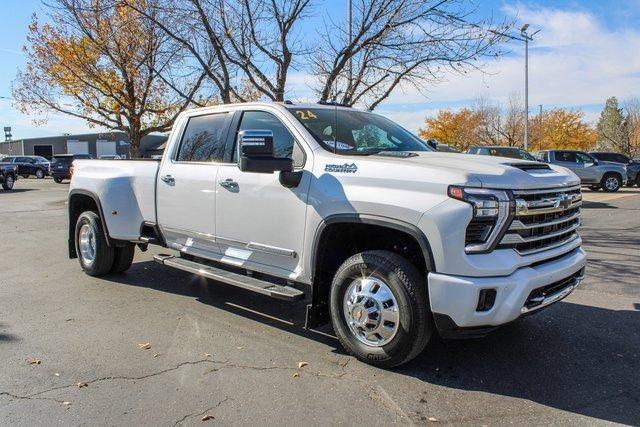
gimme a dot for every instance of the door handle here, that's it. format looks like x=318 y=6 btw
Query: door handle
x=168 y=179
x=228 y=183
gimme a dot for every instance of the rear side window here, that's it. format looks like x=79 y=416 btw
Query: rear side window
x=203 y=139
x=566 y=156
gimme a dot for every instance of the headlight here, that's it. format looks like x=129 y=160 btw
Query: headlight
x=493 y=211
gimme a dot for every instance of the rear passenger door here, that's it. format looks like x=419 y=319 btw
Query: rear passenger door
x=186 y=185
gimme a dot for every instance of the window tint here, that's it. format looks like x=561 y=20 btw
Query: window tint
x=583 y=158
x=566 y=156
x=283 y=142
x=620 y=158
x=23 y=160
x=203 y=139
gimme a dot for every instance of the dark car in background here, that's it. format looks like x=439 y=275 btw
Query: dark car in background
x=511 y=152
x=633 y=165
x=8 y=175
x=61 y=163
x=29 y=165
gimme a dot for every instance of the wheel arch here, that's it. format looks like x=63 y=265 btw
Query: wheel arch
x=81 y=201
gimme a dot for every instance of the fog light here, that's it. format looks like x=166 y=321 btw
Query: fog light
x=486 y=299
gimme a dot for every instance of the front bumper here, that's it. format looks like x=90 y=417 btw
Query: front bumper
x=456 y=297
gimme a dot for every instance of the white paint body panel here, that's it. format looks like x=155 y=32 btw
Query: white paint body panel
x=269 y=228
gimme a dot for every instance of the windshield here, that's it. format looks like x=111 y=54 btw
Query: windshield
x=513 y=153
x=356 y=132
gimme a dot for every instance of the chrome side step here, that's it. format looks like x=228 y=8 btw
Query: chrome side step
x=252 y=284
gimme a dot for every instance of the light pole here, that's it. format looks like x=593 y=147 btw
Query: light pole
x=350 y=27
x=527 y=37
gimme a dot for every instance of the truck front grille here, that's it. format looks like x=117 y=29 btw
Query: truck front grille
x=544 y=219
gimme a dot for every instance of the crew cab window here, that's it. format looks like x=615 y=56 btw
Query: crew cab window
x=566 y=156
x=203 y=139
x=584 y=158
x=284 y=144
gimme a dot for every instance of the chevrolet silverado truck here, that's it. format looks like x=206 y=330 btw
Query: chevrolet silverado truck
x=595 y=174
x=8 y=175
x=345 y=210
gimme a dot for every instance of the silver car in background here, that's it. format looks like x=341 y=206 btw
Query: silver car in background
x=593 y=173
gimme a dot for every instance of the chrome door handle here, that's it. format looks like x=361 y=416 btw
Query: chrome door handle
x=168 y=179
x=228 y=183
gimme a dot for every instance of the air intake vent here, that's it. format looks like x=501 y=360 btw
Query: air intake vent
x=530 y=166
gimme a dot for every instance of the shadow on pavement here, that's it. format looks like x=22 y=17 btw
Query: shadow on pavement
x=570 y=357
x=6 y=337
x=18 y=190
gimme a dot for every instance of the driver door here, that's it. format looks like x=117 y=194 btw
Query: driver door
x=260 y=223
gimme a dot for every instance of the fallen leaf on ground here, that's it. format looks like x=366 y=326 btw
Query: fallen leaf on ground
x=144 y=346
x=433 y=420
x=82 y=384
x=302 y=364
x=56 y=374
x=207 y=355
x=156 y=355
x=296 y=375
x=239 y=348
x=34 y=361
x=66 y=403
x=207 y=417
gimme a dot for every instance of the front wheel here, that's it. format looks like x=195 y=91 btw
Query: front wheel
x=94 y=253
x=8 y=182
x=379 y=308
x=611 y=183
x=40 y=174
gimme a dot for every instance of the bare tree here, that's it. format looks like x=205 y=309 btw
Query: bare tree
x=401 y=43
x=106 y=64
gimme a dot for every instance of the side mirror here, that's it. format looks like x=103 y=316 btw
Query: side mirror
x=256 y=153
x=433 y=143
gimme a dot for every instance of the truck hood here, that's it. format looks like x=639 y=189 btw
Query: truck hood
x=492 y=172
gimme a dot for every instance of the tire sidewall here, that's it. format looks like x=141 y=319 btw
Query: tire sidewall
x=40 y=174
x=397 y=348
x=604 y=182
x=104 y=254
x=8 y=185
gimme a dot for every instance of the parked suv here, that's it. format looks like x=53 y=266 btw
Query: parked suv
x=61 y=164
x=511 y=152
x=633 y=165
x=30 y=165
x=593 y=173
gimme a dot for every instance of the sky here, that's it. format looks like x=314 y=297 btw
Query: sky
x=585 y=52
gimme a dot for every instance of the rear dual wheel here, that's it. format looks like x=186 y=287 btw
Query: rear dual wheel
x=379 y=308
x=96 y=256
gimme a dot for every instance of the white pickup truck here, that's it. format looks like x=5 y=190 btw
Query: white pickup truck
x=345 y=209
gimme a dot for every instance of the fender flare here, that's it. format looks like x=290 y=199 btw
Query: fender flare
x=96 y=199
x=381 y=221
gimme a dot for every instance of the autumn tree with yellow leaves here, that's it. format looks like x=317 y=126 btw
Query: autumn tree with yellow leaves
x=107 y=64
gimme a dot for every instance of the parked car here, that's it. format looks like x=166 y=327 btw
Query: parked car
x=8 y=175
x=61 y=164
x=344 y=208
x=109 y=157
x=30 y=165
x=633 y=165
x=496 y=150
x=593 y=173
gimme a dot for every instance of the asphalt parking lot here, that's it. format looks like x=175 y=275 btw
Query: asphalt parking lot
x=70 y=345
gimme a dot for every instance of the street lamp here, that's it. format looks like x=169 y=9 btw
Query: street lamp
x=526 y=37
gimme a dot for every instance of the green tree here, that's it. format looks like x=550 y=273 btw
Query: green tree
x=613 y=133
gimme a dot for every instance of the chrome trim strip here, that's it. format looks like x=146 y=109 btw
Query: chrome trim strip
x=555 y=297
x=519 y=225
x=553 y=246
x=516 y=238
x=205 y=236
x=546 y=190
x=522 y=208
x=271 y=249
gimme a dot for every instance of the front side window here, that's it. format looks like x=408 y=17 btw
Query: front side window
x=566 y=156
x=345 y=131
x=284 y=144
x=203 y=139
x=584 y=158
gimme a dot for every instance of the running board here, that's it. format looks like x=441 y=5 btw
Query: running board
x=286 y=293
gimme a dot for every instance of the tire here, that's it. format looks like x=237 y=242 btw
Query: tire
x=25 y=176
x=594 y=187
x=8 y=182
x=123 y=258
x=611 y=182
x=89 y=229
x=58 y=180
x=40 y=174
x=408 y=288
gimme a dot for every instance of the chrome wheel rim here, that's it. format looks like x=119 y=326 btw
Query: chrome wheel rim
x=9 y=181
x=371 y=311
x=87 y=244
x=611 y=183
x=39 y=174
